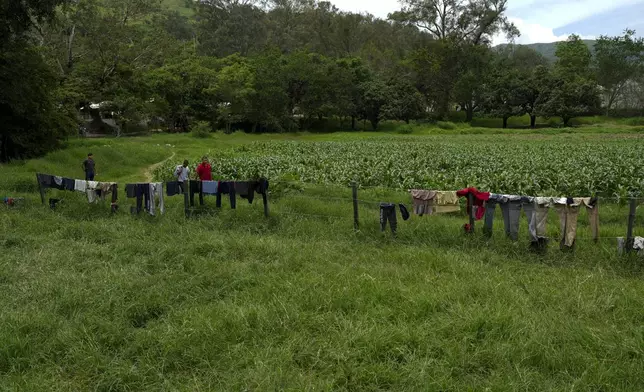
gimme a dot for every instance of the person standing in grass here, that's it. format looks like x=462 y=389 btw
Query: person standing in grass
x=204 y=170
x=182 y=172
x=89 y=167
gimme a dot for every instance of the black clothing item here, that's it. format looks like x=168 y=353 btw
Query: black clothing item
x=68 y=184
x=130 y=190
x=58 y=183
x=244 y=190
x=142 y=194
x=45 y=180
x=89 y=176
x=247 y=189
x=403 y=211
x=195 y=187
x=227 y=188
x=388 y=213
x=172 y=188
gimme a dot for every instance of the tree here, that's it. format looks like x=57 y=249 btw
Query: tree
x=618 y=60
x=503 y=97
x=528 y=70
x=469 y=88
x=374 y=98
x=33 y=116
x=569 y=90
x=404 y=101
x=473 y=21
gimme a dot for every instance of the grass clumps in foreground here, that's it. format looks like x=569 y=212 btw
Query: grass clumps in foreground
x=229 y=300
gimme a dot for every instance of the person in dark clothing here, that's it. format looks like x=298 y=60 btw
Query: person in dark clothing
x=89 y=167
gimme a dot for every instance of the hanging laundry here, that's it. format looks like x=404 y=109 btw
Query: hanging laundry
x=142 y=194
x=479 y=201
x=209 y=187
x=423 y=201
x=173 y=188
x=247 y=189
x=388 y=214
x=511 y=206
x=156 y=195
x=542 y=207
x=227 y=188
x=568 y=210
x=445 y=202
x=404 y=212
x=93 y=191
x=80 y=186
x=69 y=184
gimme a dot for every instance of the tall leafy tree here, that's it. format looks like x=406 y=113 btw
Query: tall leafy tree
x=570 y=89
x=618 y=61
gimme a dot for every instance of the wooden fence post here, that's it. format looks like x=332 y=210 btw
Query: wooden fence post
x=354 y=189
x=631 y=222
x=42 y=192
x=186 y=202
x=470 y=201
x=265 y=200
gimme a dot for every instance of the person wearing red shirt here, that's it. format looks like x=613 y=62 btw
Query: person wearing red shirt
x=204 y=170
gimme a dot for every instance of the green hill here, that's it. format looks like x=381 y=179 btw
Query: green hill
x=548 y=49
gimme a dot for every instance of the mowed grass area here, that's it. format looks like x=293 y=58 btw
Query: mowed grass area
x=230 y=300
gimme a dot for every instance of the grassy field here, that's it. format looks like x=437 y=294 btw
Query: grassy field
x=230 y=300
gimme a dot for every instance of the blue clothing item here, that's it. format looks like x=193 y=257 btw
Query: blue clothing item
x=89 y=176
x=210 y=187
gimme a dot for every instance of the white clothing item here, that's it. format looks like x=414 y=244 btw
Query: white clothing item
x=80 y=185
x=92 y=186
x=182 y=173
x=156 y=193
x=638 y=245
x=543 y=201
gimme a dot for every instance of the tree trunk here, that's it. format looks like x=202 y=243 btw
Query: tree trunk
x=533 y=121
x=407 y=121
x=374 y=124
x=353 y=123
x=505 y=122
x=469 y=108
x=566 y=120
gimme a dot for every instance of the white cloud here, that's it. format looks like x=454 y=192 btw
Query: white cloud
x=534 y=33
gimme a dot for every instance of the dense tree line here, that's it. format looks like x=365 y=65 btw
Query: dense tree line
x=284 y=65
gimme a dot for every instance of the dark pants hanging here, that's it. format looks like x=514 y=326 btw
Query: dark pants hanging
x=227 y=188
x=388 y=214
x=195 y=188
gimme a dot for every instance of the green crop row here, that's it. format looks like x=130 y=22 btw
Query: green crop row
x=613 y=167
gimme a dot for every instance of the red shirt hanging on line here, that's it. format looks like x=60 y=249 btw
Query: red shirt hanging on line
x=479 y=200
x=204 y=171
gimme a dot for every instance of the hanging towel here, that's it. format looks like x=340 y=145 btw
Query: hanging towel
x=446 y=202
x=80 y=186
x=209 y=187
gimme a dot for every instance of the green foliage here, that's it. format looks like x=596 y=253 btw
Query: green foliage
x=201 y=129
x=446 y=125
x=503 y=165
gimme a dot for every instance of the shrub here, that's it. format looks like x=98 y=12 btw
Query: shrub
x=201 y=129
x=446 y=125
x=405 y=130
x=634 y=121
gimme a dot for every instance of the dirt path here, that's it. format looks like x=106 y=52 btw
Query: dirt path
x=149 y=172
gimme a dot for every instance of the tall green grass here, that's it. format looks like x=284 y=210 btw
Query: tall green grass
x=230 y=300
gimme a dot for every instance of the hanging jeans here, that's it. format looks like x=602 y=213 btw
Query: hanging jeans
x=388 y=214
x=490 y=210
x=511 y=214
x=568 y=217
x=542 y=208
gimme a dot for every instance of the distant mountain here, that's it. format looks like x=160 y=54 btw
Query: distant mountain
x=548 y=50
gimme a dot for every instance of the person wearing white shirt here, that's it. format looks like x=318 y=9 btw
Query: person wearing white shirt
x=182 y=172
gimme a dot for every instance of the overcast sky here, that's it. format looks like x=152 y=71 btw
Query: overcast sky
x=545 y=20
